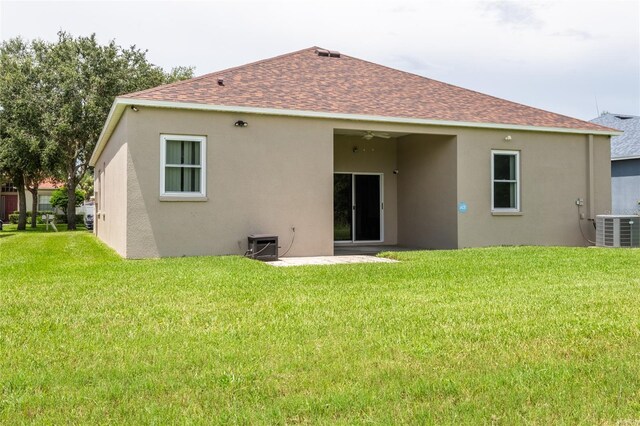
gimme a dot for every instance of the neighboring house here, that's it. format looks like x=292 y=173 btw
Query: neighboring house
x=346 y=152
x=8 y=201
x=9 y=198
x=625 y=162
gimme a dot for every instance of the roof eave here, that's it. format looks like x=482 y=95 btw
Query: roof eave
x=120 y=104
x=116 y=111
x=628 y=157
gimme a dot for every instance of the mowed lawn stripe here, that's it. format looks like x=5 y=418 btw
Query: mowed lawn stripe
x=504 y=335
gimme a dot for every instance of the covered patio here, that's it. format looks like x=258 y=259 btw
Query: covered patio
x=392 y=189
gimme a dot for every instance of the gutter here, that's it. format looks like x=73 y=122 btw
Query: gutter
x=119 y=105
x=109 y=126
x=630 y=157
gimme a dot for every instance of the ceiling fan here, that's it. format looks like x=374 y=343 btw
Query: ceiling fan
x=368 y=135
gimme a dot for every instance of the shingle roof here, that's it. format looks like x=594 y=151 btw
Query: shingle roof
x=305 y=81
x=628 y=143
x=50 y=184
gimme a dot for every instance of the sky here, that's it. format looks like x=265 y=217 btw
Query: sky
x=577 y=58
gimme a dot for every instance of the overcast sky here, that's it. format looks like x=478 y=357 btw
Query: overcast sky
x=555 y=55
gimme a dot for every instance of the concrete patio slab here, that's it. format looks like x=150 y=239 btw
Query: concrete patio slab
x=329 y=260
x=370 y=249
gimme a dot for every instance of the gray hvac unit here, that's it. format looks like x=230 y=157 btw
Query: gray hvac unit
x=617 y=231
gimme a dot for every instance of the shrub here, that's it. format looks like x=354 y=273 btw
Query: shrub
x=59 y=198
x=13 y=217
x=39 y=218
x=62 y=218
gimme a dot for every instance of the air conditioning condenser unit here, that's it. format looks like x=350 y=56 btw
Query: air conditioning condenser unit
x=617 y=231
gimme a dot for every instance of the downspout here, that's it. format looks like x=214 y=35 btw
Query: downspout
x=591 y=180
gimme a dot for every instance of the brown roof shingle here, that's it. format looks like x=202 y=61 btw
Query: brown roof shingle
x=305 y=81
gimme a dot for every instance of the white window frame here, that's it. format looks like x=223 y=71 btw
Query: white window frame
x=202 y=166
x=495 y=152
x=40 y=203
x=353 y=206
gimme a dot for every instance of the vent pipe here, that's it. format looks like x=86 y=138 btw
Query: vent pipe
x=328 y=53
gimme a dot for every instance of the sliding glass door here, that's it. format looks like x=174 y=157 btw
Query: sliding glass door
x=357 y=207
x=342 y=207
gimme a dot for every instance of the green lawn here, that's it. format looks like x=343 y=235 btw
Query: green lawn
x=499 y=335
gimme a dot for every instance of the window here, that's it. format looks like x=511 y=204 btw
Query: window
x=505 y=181
x=182 y=170
x=44 y=203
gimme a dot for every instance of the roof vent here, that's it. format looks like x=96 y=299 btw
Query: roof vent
x=221 y=82
x=623 y=117
x=329 y=53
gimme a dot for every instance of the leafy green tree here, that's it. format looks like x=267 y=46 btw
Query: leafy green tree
x=26 y=155
x=54 y=100
x=60 y=199
x=31 y=185
x=82 y=80
x=86 y=183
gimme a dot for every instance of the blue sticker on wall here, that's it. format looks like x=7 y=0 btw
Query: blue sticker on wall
x=462 y=207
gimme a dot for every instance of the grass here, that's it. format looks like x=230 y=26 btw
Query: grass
x=497 y=335
x=11 y=229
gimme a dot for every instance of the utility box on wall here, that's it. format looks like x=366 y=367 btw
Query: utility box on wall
x=263 y=247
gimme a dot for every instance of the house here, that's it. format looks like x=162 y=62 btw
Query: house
x=9 y=198
x=321 y=148
x=625 y=162
x=8 y=201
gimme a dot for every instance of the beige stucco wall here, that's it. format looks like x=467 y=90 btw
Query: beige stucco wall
x=427 y=191
x=602 y=176
x=29 y=198
x=266 y=178
x=278 y=173
x=554 y=173
x=110 y=183
x=374 y=156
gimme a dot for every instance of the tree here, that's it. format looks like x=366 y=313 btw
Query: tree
x=54 y=100
x=86 y=183
x=82 y=79
x=31 y=185
x=25 y=152
x=60 y=199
